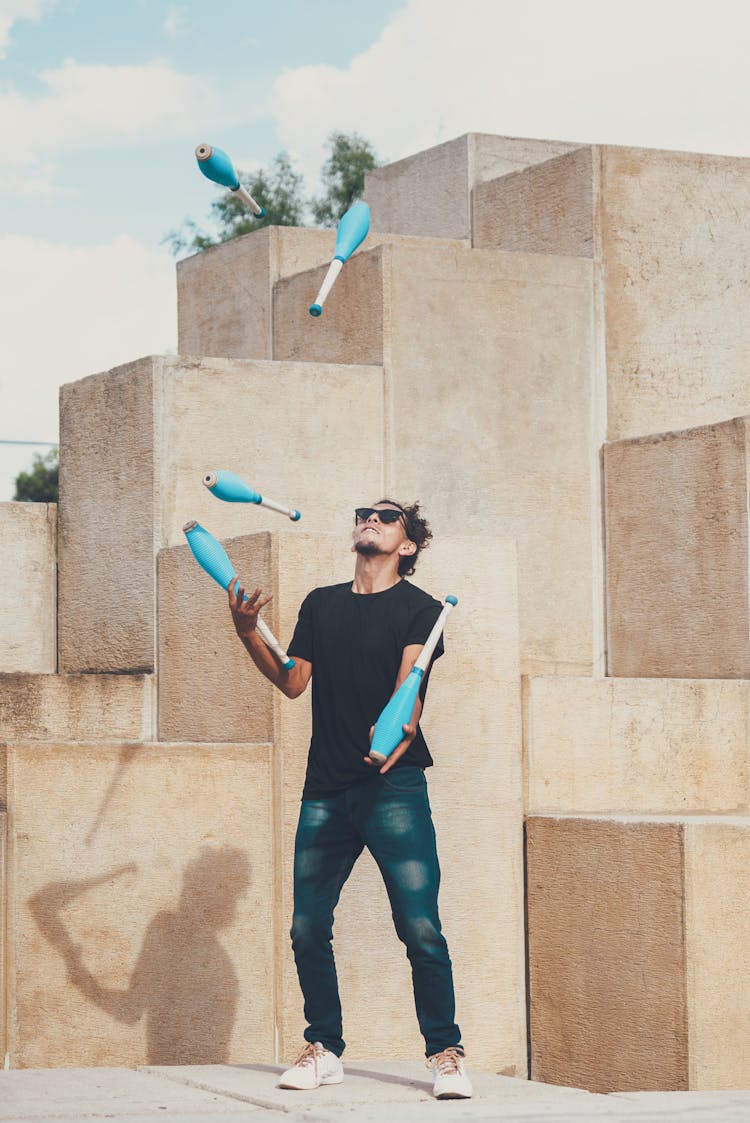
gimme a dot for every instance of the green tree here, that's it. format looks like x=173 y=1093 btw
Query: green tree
x=349 y=157
x=277 y=188
x=40 y=484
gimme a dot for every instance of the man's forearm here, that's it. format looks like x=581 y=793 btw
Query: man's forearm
x=265 y=660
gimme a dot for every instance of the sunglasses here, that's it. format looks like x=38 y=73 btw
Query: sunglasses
x=362 y=514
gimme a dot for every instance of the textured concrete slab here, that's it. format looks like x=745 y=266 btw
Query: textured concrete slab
x=429 y=193
x=488 y=362
x=28 y=594
x=607 y=955
x=209 y=690
x=677 y=554
x=115 y=1093
x=128 y=493
x=77 y=707
x=636 y=745
x=141 y=882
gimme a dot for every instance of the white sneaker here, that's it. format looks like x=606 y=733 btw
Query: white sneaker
x=451 y=1081
x=314 y=1066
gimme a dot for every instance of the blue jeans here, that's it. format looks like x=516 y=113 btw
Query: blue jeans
x=390 y=815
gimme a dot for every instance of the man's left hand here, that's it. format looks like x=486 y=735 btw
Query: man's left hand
x=410 y=732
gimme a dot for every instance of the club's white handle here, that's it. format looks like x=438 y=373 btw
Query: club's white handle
x=248 y=200
x=328 y=281
x=427 y=651
x=291 y=512
x=271 y=642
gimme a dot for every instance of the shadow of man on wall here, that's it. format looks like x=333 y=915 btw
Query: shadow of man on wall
x=183 y=981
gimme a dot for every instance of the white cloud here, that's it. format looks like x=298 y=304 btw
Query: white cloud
x=174 y=20
x=11 y=11
x=671 y=74
x=69 y=312
x=93 y=108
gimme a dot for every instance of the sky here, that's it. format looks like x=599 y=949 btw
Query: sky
x=102 y=103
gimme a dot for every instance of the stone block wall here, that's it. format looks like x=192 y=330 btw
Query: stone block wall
x=544 y=343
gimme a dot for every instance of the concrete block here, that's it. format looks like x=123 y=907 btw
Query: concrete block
x=717 y=886
x=488 y=366
x=670 y=245
x=3 y=932
x=209 y=689
x=677 y=554
x=472 y=714
x=607 y=955
x=139 y=922
x=430 y=193
x=77 y=708
x=639 y=942
x=28 y=595
x=224 y=292
x=636 y=745
x=135 y=443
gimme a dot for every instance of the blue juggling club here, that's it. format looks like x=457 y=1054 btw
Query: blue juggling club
x=232 y=489
x=217 y=167
x=211 y=556
x=389 y=729
x=353 y=228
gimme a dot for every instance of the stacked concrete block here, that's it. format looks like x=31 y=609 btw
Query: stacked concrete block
x=677 y=553
x=135 y=443
x=429 y=194
x=140 y=901
x=28 y=594
x=488 y=366
x=472 y=722
x=77 y=707
x=667 y=234
x=636 y=746
x=638 y=938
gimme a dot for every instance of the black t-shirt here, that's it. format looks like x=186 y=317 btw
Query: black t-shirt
x=355 y=642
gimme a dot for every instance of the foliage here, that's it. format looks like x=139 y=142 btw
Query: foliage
x=343 y=175
x=279 y=188
x=40 y=483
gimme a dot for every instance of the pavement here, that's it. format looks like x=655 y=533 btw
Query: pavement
x=372 y=1092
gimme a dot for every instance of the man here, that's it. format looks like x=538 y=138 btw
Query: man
x=358 y=642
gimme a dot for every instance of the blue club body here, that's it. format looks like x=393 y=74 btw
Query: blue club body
x=389 y=731
x=220 y=169
x=232 y=489
x=353 y=228
x=211 y=556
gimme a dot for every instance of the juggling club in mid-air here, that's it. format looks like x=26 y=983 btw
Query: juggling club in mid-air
x=232 y=489
x=389 y=729
x=217 y=167
x=211 y=555
x=352 y=230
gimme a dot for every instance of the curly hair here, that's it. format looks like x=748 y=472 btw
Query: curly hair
x=417 y=531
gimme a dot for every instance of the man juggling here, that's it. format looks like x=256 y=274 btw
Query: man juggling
x=358 y=642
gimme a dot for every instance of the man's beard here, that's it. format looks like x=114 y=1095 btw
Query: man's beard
x=367 y=549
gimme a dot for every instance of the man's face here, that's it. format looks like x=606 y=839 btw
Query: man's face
x=373 y=535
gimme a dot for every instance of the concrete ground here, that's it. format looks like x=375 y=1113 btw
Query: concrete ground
x=374 y=1092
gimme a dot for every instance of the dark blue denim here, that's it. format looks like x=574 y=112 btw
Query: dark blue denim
x=390 y=815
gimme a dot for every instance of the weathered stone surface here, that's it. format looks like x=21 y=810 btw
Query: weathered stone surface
x=548 y=208
x=77 y=708
x=141 y=888
x=430 y=193
x=677 y=554
x=607 y=956
x=636 y=745
x=472 y=715
x=224 y=292
x=28 y=593
x=671 y=247
x=717 y=889
x=3 y=933
x=136 y=442
x=209 y=690
x=488 y=360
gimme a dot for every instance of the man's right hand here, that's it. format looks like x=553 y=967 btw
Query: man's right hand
x=245 y=612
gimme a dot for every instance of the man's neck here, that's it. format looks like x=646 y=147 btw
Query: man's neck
x=375 y=575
